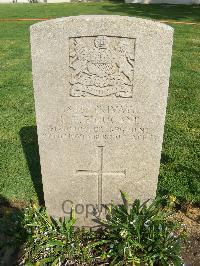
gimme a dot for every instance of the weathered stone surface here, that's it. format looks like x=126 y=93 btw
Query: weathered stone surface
x=100 y=86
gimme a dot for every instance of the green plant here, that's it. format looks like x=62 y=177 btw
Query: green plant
x=131 y=234
x=57 y=241
x=52 y=241
x=141 y=234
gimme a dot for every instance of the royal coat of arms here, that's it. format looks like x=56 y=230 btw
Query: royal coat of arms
x=101 y=66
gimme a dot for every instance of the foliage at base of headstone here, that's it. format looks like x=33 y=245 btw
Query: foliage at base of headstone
x=55 y=242
x=142 y=234
x=131 y=234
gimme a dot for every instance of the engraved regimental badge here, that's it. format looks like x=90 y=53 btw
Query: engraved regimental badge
x=101 y=66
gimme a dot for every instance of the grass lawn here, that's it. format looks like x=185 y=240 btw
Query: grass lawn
x=19 y=161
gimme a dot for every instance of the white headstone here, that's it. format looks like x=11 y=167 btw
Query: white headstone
x=100 y=86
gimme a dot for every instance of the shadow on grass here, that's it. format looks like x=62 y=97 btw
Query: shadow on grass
x=12 y=234
x=190 y=13
x=29 y=140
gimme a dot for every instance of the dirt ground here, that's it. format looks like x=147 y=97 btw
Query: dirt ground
x=190 y=217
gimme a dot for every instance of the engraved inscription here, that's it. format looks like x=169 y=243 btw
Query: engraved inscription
x=101 y=66
x=100 y=122
x=99 y=172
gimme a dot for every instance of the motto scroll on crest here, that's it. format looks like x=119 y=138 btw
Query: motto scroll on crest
x=101 y=66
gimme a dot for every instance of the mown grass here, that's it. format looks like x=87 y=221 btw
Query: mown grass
x=19 y=160
x=174 y=12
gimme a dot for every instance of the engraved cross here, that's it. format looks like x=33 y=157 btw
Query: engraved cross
x=99 y=172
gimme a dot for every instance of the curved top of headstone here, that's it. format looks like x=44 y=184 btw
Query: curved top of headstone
x=119 y=22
